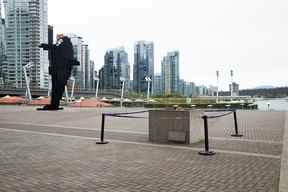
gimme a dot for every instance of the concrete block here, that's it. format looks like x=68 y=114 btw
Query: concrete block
x=178 y=126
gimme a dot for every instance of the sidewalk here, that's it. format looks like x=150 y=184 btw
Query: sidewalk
x=56 y=151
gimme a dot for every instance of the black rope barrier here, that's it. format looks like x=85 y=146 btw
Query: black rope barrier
x=127 y=113
x=217 y=116
x=236 y=126
x=102 y=131
x=236 y=134
x=205 y=118
x=127 y=116
x=206 y=152
x=219 y=110
x=124 y=115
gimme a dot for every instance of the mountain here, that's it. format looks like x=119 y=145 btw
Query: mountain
x=264 y=87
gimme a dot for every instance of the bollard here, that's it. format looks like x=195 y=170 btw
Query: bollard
x=102 y=131
x=206 y=152
x=236 y=126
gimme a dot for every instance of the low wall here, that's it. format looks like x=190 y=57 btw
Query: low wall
x=283 y=184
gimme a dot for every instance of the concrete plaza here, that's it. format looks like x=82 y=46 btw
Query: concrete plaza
x=56 y=151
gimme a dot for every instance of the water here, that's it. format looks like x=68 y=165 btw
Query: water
x=275 y=104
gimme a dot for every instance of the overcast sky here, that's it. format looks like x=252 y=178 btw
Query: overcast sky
x=247 y=36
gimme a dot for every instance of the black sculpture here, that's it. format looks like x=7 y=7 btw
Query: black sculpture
x=61 y=60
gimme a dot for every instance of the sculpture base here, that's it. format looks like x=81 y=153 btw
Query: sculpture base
x=102 y=142
x=237 y=135
x=50 y=109
x=207 y=153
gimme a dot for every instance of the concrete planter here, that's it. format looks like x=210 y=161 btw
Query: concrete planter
x=167 y=126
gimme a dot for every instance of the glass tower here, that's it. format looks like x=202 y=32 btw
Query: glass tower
x=3 y=64
x=26 y=28
x=143 y=65
x=115 y=66
x=170 y=73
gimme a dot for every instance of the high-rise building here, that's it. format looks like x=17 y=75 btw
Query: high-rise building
x=3 y=63
x=157 y=82
x=85 y=66
x=92 y=75
x=190 y=89
x=212 y=90
x=81 y=73
x=235 y=89
x=115 y=66
x=26 y=28
x=170 y=73
x=143 y=65
x=77 y=43
x=202 y=90
x=50 y=34
x=181 y=87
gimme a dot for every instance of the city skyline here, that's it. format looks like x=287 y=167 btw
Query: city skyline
x=248 y=37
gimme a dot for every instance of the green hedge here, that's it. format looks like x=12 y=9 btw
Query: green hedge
x=126 y=104
x=203 y=105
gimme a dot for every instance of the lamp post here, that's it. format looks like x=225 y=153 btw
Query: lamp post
x=231 y=73
x=148 y=79
x=97 y=86
x=73 y=87
x=66 y=95
x=67 y=98
x=27 y=80
x=122 y=79
x=217 y=95
x=49 y=85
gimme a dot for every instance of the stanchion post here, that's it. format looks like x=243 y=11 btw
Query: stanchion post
x=206 y=152
x=236 y=126
x=102 y=131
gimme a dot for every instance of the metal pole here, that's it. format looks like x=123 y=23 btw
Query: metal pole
x=206 y=152
x=217 y=96
x=148 y=91
x=97 y=87
x=27 y=80
x=72 y=91
x=122 y=93
x=102 y=131
x=49 y=85
x=236 y=126
x=66 y=94
x=231 y=73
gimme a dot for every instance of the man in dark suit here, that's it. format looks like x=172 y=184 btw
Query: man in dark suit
x=61 y=61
